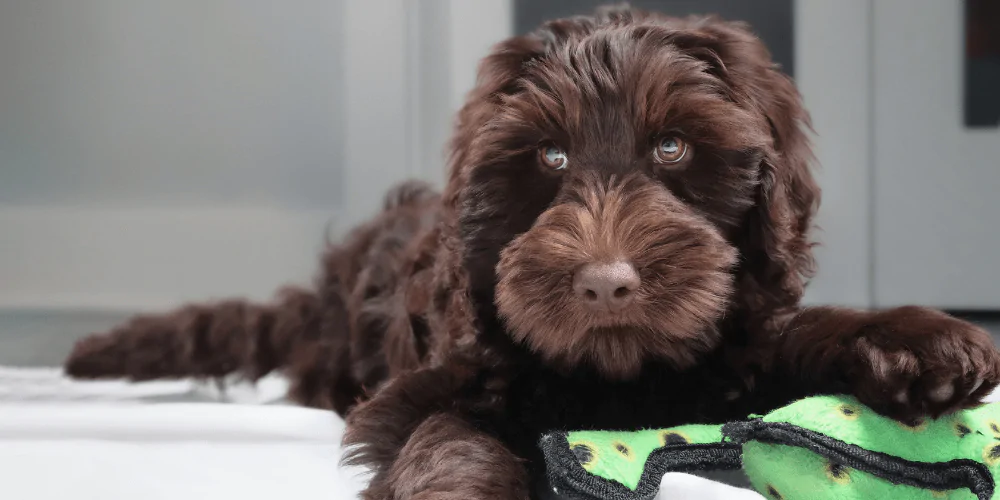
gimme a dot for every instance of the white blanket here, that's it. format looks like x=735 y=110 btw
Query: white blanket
x=115 y=441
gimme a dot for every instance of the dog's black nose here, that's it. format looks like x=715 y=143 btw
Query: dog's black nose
x=606 y=287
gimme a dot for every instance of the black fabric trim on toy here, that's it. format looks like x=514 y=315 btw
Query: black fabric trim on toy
x=571 y=480
x=954 y=474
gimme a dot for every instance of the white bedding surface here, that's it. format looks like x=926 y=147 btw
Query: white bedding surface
x=115 y=441
x=171 y=451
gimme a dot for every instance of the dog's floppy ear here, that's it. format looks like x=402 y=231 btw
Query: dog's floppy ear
x=776 y=248
x=498 y=73
x=775 y=245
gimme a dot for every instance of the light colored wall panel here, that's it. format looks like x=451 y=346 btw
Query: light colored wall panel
x=156 y=152
x=832 y=57
x=187 y=102
x=937 y=184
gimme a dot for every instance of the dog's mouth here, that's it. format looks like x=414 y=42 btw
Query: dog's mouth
x=608 y=321
x=622 y=275
x=567 y=328
x=624 y=332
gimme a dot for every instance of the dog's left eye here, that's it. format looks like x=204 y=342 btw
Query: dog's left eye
x=670 y=150
x=553 y=157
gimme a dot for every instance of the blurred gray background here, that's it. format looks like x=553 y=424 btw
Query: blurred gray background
x=154 y=152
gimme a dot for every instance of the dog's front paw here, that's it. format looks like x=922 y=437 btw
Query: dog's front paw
x=911 y=362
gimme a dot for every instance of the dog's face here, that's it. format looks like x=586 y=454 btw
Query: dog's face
x=623 y=181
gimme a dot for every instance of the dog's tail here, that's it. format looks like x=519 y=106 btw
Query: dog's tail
x=202 y=340
x=303 y=332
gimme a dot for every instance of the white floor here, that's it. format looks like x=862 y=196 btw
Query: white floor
x=118 y=441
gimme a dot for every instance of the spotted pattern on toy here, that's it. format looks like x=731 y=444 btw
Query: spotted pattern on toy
x=622 y=456
x=819 y=448
x=968 y=440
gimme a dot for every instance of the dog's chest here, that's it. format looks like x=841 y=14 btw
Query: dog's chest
x=542 y=401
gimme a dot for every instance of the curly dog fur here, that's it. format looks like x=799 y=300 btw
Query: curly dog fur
x=453 y=328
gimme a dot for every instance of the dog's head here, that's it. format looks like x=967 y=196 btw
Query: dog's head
x=622 y=181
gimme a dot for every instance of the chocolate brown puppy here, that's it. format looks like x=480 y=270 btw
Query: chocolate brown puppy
x=623 y=241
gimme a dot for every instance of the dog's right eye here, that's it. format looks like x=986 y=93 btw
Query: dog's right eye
x=553 y=157
x=670 y=151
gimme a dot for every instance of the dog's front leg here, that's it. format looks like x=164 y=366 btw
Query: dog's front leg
x=414 y=439
x=446 y=458
x=905 y=362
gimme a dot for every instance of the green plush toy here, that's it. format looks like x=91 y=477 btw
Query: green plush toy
x=824 y=447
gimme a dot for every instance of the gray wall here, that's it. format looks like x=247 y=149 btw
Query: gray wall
x=910 y=201
x=833 y=53
x=144 y=102
x=937 y=183
x=154 y=152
